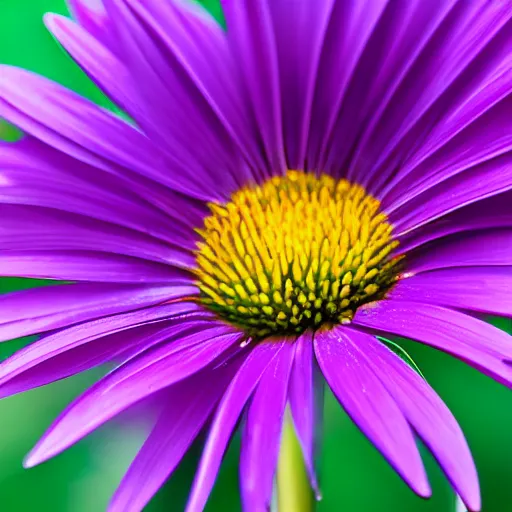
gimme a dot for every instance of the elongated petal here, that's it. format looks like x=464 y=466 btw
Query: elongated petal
x=480 y=182
x=42 y=309
x=92 y=16
x=81 y=129
x=98 y=60
x=494 y=212
x=472 y=42
x=398 y=39
x=306 y=402
x=297 y=75
x=478 y=343
x=29 y=368
x=251 y=34
x=262 y=432
x=181 y=115
x=486 y=138
x=426 y=413
x=130 y=383
x=83 y=333
x=188 y=406
x=43 y=229
x=199 y=52
x=485 y=247
x=226 y=417
x=370 y=405
x=90 y=266
x=341 y=54
x=33 y=173
x=483 y=289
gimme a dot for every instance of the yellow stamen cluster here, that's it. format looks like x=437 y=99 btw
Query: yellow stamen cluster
x=300 y=251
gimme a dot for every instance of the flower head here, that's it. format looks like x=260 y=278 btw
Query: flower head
x=285 y=189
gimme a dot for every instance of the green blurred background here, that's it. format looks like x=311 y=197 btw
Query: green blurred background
x=353 y=476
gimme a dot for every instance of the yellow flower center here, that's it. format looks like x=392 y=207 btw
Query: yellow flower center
x=299 y=252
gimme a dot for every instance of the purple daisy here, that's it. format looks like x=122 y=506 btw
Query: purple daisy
x=316 y=174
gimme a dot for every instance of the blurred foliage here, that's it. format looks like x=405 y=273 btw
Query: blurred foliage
x=353 y=475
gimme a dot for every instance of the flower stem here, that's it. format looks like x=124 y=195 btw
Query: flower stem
x=293 y=490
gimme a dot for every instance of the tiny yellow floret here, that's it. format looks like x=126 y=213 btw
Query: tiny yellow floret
x=301 y=251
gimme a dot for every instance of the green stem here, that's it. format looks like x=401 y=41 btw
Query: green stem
x=293 y=490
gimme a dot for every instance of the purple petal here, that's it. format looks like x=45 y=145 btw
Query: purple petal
x=63 y=341
x=47 y=229
x=426 y=413
x=482 y=289
x=350 y=29
x=494 y=87
x=27 y=369
x=306 y=402
x=486 y=138
x=81 y=129
x=262 y=432
x=398 y=39
x=478 y=343
x=226 y=417
x=185 y=413
x=494 y=212
x=179 y=112
x=251 y=36
x=33 y=173
x=137 y=379
x=97 y=60
x=298 y=60
x=465 y=50
x=370 y=405
x=42 y=309
x=91 y=266
x=489 y=247
x=483 y=181
x=198 y=51
x=92 y=16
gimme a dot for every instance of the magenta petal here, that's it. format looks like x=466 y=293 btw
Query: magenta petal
x=251 y=35
x=298 y=61
x=42 y=309
x=83 y=130
x=483 y=289
x=226 y=417
x=97 y=60
x=370 y=404
x=426 y=413
x=46 y=229
x=488 y=137
x=185 y=413
x=33 y=173
x=468 y=46
x=199 y=53
x=476 y=342
x=262 y=432
x=92 y=266
x=135 y=380
x=37 y=354
x=494 y=212
x=92 y=16
x=477 y=248
x=31 y=370
x=480 y=182
x=350 y=29
x=398 y=40
x=306 y=402
x=179 y=113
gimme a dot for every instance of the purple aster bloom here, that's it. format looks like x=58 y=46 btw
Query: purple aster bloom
x=315 y=174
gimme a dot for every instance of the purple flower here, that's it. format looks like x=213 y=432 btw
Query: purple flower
x=223 y=283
